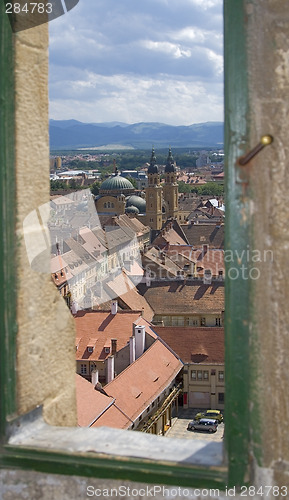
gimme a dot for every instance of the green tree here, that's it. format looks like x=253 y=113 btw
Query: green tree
x=94 y=188
x=57 y=185
x=184 y=188
x=209 y=189
x=133 y=181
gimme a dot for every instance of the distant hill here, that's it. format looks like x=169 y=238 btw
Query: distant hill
x=72 y=134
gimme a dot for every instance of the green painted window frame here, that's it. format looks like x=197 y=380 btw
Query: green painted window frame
x=236 y=461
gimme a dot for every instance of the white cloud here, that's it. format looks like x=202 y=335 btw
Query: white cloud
x=167 y=48
x=131 y=99
x=131 y=61
x=206 y=4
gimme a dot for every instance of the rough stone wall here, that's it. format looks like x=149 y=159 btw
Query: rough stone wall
x=46 y=352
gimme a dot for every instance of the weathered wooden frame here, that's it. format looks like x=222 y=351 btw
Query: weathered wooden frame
x=235 y=468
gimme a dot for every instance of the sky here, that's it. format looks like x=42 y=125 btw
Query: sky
x=138 y=61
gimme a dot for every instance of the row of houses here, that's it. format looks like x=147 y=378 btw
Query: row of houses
x=148 y=316
x=85 y=256
x=133 y=375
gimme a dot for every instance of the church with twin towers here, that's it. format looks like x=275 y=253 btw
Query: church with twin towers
x=152 y=206
x=161 y=199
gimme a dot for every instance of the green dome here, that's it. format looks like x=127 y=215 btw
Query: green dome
x=132 y=210
x=116 y=184
x=138 y=202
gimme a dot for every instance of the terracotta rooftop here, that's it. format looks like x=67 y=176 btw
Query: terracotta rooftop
x=169 y=235
x=82 y=254
x=203 y=258
x=136 y=387
x=191 y=179
x=90 y=403
x=221 y=175
x=75 y=264
x=211 y=211
x=99 y=326
x=188 y=203
x=61 y=200
x=166 y=266
x=57 y=263
x=136 y=225
x=117 y=236
x=123 y=288
x=179 y=297
x=100 y=235
x=195 y=345
x=106 y=219
x=91 y=243
x=200 y=234
x=135 y=269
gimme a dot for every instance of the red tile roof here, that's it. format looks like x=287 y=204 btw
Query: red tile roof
x=99 y=326
x=90 y=403
x=135 y=224
x=161 y=264
x=169 y=236
x=200 y=234
x=179 y=297
x=57 y=263
x=197 y=345
x=204 y=258
x=124 y=288
x=59 y=270
x=91 y=243
x=135 y=388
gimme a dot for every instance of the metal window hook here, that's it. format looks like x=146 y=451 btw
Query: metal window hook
x=264 y=141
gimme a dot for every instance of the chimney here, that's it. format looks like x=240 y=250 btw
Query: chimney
x=113 y=346
x=94 y=376
x=109 y=369
x=114 y=307
x=148 y=278
x=132 y=350
x=139 y=333
x=192 y=269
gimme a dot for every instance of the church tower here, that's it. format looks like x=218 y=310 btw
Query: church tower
x=154 y=196
x=170 y=188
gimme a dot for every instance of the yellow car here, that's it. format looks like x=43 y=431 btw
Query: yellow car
x=213 y=414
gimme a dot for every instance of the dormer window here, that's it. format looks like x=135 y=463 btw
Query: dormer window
x=90 y=349
x=107 y=350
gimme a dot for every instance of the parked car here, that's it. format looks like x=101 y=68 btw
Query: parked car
x=215 y=414
x=204 y=424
